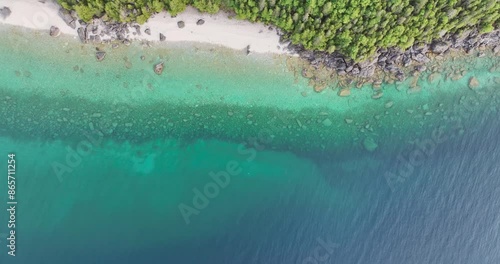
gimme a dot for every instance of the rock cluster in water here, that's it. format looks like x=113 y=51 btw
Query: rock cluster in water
x=396 y=61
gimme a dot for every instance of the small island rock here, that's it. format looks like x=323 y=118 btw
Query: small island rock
x=159 y=68
x=54 y=31
x=100 y=55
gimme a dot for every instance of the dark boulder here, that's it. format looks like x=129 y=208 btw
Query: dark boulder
x=355 y=71
x=400 y=76
x=67 y=17
x=406 y=60
x=181 y=24
x=391 y=68
x=82 y=34
x=162 y=37
x=420 y=48
x=439 y=47
x=420 y=68
x=5 y=12
x=100 y=55
x=200 y=22
x=137 y=29
x=54 y=31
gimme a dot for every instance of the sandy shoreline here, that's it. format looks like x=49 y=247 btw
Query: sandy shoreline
x=217 y=30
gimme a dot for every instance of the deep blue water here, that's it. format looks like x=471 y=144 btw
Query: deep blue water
x=446 y=211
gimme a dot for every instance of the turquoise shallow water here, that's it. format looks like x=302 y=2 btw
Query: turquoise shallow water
x=109 y=152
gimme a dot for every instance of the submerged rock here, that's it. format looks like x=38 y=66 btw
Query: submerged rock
x=473 y=83
x=370 y=144
x=433 y=77
x=319 y=87
x=307 y=74
x=54 y=31
x=344 y=92
x=456 y=77
x=389 y=104
x=377 y=95
x=327 y=122
x=100 y=55
x=5 y=12
x=159 y=68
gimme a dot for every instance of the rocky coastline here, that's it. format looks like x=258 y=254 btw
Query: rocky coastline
x=393 y=62
x=387 y=65
x=396 y=64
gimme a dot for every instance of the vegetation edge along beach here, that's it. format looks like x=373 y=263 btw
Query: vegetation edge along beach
x=354 y=28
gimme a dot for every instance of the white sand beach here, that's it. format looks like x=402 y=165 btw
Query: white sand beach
x=218 y=29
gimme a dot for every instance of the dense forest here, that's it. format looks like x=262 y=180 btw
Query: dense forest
x=355 y=28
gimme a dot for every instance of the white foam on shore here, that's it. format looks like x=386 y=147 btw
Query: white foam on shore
x=218 y=29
